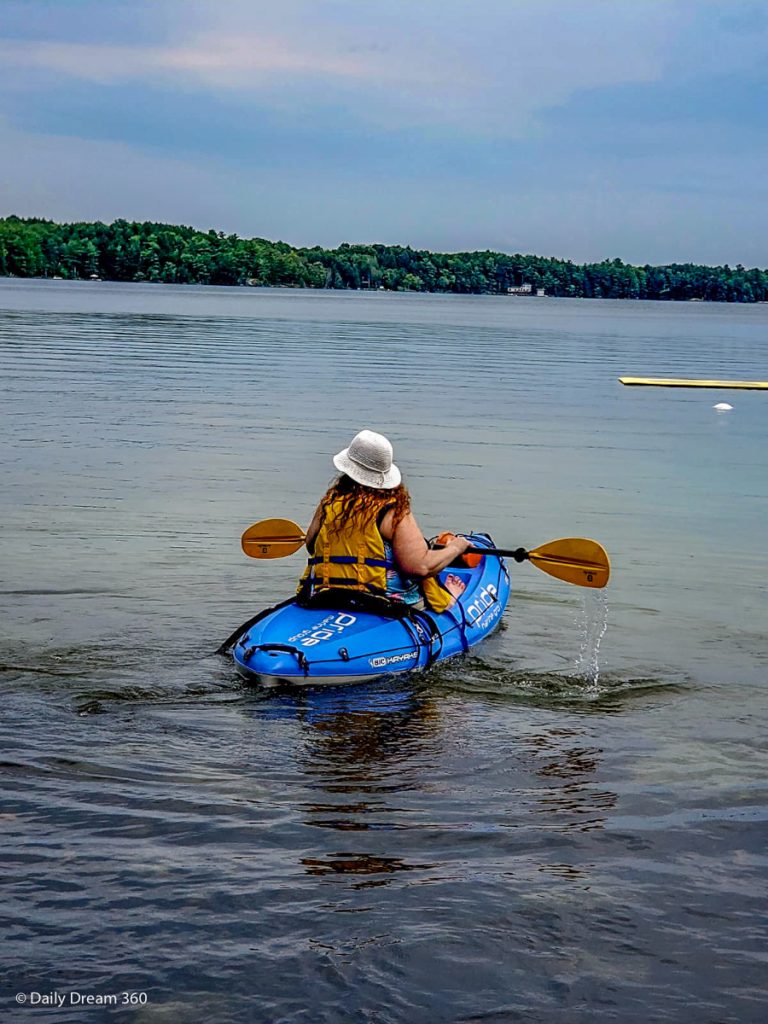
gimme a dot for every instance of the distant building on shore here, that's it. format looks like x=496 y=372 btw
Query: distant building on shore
x=525 y=289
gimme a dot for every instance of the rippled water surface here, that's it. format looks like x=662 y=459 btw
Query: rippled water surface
x=568 y=825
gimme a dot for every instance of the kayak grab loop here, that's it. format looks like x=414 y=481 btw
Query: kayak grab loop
x=284 y=648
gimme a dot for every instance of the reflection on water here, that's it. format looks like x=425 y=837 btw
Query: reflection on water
x=567 y=768
x=360 y=864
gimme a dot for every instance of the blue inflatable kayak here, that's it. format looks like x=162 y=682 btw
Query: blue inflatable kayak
x=312 y=646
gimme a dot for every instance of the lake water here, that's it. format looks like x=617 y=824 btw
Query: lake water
x=567 y=826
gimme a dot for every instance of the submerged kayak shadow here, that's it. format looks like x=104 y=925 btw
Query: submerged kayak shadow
x=390 y=695
x=353 y=734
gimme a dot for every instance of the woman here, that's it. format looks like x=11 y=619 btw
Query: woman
x=363 y=535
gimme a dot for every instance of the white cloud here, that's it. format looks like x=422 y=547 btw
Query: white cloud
x=236 y=61
x=487 y=67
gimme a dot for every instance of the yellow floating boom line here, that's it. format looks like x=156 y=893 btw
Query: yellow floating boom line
x=672 y=382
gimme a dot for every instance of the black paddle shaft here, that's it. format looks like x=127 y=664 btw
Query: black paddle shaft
x=519 y=554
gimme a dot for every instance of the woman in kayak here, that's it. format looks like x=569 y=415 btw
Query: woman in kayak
x=363 y=535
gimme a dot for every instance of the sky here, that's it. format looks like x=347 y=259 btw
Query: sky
x=583 y=129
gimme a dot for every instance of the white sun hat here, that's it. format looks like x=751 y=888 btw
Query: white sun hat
x=368 y=460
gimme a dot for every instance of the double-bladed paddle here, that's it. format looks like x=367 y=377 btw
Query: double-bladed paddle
x=572 y=559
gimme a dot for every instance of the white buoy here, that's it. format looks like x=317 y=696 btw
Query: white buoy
x=722 y=407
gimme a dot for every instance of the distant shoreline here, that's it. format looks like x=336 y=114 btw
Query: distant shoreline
x=153 y=253
x=352 y=291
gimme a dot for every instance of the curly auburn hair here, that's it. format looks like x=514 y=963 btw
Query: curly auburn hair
x=356 y=499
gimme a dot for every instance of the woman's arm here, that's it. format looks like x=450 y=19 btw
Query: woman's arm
x=411 y=551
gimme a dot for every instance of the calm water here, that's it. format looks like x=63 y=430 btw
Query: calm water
x=568 y=826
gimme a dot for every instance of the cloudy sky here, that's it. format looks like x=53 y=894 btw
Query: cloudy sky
x=575 y=128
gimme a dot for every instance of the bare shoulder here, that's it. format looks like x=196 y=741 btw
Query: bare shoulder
x=386 y=524
x=406 y=528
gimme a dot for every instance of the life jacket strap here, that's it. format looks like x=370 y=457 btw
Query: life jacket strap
x=360 y=563
x=340 y=581
x=325 y=562
x=378 y=563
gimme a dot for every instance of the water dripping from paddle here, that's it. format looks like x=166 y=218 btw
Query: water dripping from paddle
x=592 y=623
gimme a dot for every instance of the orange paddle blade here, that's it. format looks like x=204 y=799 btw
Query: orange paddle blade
x=272 y=538
x=575 y=560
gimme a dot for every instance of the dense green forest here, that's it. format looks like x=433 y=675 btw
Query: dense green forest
x=129 y=251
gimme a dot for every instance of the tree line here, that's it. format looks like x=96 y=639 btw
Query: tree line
x=132 y=251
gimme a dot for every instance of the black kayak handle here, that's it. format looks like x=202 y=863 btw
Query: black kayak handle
x=284 y=648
